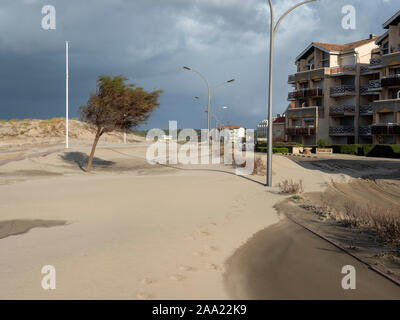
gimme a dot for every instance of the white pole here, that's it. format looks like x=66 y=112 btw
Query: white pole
x=125 y=137
x=66 y=94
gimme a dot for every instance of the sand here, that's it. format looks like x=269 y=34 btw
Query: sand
x=137 y=231
x=287 y=262
x=18 y=227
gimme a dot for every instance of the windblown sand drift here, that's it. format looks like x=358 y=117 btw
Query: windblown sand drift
x=30 y=131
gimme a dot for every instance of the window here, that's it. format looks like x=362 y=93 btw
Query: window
x=311 y=64
x=385 y=48
x=325 y=60
x=394 y=93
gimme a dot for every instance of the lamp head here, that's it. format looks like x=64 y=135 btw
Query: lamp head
x=187 y=68
x=233 y=80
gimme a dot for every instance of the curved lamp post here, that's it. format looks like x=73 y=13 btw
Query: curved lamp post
x=273 y=29
x=210 y=91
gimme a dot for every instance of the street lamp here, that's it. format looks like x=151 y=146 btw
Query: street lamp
x=273 y=29
x=213 y=114
x=210 y=92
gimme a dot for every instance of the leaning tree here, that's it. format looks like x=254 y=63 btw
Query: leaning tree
x=117 y=106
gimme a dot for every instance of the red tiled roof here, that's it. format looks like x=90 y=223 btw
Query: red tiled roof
x=344 y=47
x=230 y=127
x=279 y=120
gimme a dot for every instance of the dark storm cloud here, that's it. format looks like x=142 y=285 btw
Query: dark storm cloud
x=150 y=40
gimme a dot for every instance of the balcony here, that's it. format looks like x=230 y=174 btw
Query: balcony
x=391 y=81
x=366 y=69
x=342 y=111
x=343 y=70
x=292 y=79
x=301 y=131
x=343 y=91
x=375 y=62
x=392 y=105
x=305 y=93
x=341 y=131
x=385 y=128
x=366 y=110
x=374 y=84
x=365 y=131
x=390 y=59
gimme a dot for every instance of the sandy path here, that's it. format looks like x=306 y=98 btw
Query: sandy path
x=136 y=232
x=162 y=237
x=287 y=262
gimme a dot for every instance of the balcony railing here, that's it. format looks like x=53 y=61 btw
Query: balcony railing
x=366 y=110
x=374 y=84
x=305 y=93
x=385 y=128
x=341 y=131
x=342 y=110
x=375 y=61
x=336 y=71
x=301 y=131
x=365 y=131
x=392 y=80
x=343 y=90
x=292 y=78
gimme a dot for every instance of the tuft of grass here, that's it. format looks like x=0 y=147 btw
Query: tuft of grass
x=384 y=221
x=291 y=187
x=297 y=197
x=51 y=126
x=259 y=167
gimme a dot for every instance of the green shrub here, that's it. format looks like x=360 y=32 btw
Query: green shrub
x=261 y=145
x=384 y=151
x=322 y=143
x=280 y=150
x=261 y=149
x=352 y=149
x=369 y=150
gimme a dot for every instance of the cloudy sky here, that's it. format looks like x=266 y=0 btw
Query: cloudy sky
x=149 y=41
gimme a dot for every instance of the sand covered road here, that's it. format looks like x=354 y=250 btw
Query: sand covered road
x=287 y=262
x=160 y=234
x=136 y=231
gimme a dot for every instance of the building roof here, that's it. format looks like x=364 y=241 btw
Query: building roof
x=230 y=127
x=382 y=37
x=279 y=120
x=394 y=20
x=337 y=48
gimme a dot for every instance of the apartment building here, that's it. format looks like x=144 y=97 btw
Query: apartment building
x=386 y=64
x=236 y=133
x=278 y=129
x=334 y=88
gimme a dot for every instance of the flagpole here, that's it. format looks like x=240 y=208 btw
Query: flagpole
x=66 y=93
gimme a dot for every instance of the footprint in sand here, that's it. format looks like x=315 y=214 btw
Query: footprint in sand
x=200 y=254
x=211 y=248
x=186 y=268
x=199 y=234
x=177 y=277
x=215 y=267
x=148 y=281
x=144 y=296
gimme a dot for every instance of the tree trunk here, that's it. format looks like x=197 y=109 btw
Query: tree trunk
x=96 y=140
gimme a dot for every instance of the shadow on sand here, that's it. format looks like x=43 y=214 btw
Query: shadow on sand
x=196 y=169
x=82 y=159
x=356 y=168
